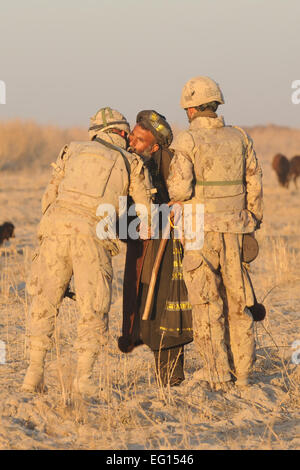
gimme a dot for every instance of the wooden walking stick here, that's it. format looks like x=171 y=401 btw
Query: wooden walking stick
x=156 y=266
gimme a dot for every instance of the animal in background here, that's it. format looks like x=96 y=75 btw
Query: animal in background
x=294 y=171
x=281 y=166
x=7 y=230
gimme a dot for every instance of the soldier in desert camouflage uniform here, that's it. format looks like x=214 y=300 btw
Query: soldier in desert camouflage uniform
x=85 y=175
x=216 y=165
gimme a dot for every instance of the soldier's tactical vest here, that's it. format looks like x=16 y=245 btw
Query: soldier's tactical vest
x=88 y=169
x=219 y=166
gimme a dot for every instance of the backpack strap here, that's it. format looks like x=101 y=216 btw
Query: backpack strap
x=244 y=133
x=118 y=149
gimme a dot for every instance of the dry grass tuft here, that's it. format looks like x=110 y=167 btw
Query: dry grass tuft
x=26 y=144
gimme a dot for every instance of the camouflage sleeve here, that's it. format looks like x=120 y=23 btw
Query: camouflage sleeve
x=50 y=193
x=140 y=185
x=181 y=175
x=254 y=183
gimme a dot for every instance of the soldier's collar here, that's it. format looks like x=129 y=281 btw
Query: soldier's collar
x=207 y=122
x=206 y=113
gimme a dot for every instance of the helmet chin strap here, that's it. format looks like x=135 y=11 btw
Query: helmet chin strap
x=121 y=133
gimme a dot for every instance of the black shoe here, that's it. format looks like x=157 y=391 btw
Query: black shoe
x=174 y=382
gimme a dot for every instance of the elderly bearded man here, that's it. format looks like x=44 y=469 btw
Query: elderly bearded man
x=150 y=138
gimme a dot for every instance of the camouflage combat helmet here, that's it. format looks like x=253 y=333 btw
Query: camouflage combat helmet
x=200 y=90
x=107 y=118
x=157 y=125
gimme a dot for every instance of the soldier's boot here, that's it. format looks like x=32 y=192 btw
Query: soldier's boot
x=83 y=383
x=34 y=378
x=242 y=381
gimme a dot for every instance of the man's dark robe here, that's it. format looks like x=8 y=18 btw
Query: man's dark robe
x=157 y=332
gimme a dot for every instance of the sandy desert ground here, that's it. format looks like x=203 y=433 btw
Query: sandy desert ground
x=136 y=413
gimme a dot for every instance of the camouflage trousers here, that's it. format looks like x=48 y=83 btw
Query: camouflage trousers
x=219 y=291
x=57 y=260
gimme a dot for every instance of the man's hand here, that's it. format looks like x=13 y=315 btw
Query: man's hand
x=172 y=203
x=176 y=215
x=144 y=231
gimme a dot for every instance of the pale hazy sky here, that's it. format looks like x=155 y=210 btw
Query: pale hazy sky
x=62 y=60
